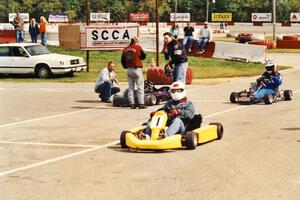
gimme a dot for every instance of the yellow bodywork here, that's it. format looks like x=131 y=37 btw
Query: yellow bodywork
x=158 y=123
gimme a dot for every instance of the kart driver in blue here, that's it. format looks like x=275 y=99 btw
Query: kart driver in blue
x=179 y=111
x=268 y=82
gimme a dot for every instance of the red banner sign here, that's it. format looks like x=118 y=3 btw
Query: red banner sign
x=139 y=17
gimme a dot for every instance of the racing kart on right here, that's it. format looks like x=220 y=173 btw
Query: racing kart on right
x=247 y=96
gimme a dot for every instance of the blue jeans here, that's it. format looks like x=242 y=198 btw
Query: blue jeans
x=19 y=36
x=180 y=72
x=43 y=39
x=106 y=90
x=262 y=93
x=176 y=126
x=202 y=43
x=34 y=38
x=189 y=40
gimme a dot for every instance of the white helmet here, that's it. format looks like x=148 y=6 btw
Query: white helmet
x=177 y=91
x=270 y=66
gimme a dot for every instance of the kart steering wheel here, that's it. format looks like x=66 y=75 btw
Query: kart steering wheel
x=149 y=86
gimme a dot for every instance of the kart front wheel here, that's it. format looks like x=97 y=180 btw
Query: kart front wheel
x=268 y=99
x=191 y=140
x=233 y=97
x=220 y=129
x=287 y=95
x=123 y=139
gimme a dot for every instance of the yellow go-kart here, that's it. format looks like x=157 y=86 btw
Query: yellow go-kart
x=135 y=138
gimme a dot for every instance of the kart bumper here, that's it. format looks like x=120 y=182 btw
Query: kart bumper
x=172 y=142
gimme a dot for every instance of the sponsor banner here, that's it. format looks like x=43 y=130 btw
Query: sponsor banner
x=180 y=17
x=221 y=17
x=139 y=17
x=24 y=16
x=58 y=18
x=261 y=17
x=109 y=37
x=295 y=17
x=100 y=17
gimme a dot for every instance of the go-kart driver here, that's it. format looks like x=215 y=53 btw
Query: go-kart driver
x=268 y=82
x=179 y=111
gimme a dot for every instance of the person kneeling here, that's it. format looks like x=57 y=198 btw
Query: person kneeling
x=107 y=83
x=180 y=111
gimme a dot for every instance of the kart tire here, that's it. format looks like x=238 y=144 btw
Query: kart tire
x=268 y=99
x=233 y=97
x=123 y=139
x=118 y=100
x=287 y=95
x=191 y=140
x=150 y=100
x=220 y=129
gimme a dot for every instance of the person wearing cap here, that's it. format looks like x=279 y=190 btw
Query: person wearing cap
x=175 y=55
x=268 y=82
x=188 y=36
x=205 y=34
x=18 y=24
x=131 y=60
x=179 y=109
x=107 y=83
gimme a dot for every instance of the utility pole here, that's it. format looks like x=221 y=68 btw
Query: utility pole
x=157 y=34
x=207 y=9
x=274 y=20
x=175 y=19
x=87 y=23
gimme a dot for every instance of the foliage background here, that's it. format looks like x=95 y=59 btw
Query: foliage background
x=120 y=9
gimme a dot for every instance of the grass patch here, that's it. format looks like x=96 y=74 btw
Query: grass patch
x=283 y=50
x=202 y=68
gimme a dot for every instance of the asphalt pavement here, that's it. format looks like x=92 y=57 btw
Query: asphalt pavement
x=57 y=141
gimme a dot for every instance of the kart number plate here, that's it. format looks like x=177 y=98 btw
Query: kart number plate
x=157 y=122
x=243 y=99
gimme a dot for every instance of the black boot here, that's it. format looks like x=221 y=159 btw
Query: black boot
x=142 y=106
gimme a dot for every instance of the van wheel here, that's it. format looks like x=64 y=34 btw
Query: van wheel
x=43 y=72
x=123 y=139
x=191 y=140
x=220 y=129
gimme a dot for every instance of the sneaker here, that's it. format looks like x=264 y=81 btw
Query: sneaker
x=142 y=106
x=190 y=50
x=143 y=136
x=202 y=51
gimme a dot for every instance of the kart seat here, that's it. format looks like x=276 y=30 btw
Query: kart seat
x=194 y=123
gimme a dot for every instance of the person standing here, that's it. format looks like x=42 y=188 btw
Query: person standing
x=179 y=59
x=188 y=36
x=33 y=30
x=205 y=36
x=43 y=30
x=132 y=57
x=107 y=83
x=18 y=24
x=175 y=30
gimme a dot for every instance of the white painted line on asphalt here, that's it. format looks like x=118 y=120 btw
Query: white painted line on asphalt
x=225 y=111
x=56 y=159
x=92 y=149
x=53 y=116
x=50 y=144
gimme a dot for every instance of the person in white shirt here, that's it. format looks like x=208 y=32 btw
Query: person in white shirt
x=107 y=83
x=205 y=36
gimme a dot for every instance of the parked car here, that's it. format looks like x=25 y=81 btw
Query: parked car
x=28 y=58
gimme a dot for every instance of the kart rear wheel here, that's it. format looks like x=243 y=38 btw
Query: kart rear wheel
x=118 y=100
x=191 y=140
x=233 y=97
x=150 y=100
x=123 y=139
x=287 y=95
x=220 y=129
x=268 y=99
